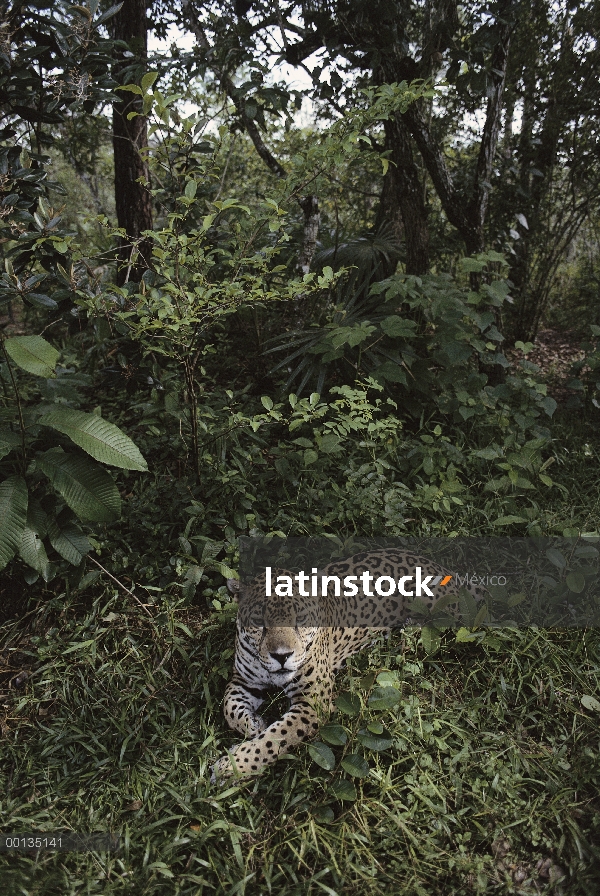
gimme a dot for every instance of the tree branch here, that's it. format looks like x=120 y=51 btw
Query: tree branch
x=249 y=124
x=435 y=162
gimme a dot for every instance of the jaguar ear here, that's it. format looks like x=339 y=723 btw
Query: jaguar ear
x=233 y=586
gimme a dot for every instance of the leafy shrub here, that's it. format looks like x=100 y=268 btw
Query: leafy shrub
x=33 y=516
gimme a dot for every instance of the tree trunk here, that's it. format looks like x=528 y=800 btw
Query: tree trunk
x=402 y=206
x=535 y=250
x=312 y=218
x=478 y=206
x=133 y=200
x=468 y=216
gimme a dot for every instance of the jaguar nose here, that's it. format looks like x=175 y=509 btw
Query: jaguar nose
x=281 y=658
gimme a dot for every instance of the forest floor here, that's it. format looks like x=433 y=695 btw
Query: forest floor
x=554 y=352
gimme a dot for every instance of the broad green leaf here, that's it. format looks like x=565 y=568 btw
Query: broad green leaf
x=556 y=558
x=384 y=698
x=5 y=447
x=508 y=520
x=488 y=453
x=193 y=577
x=13 y=516
x=33 y=552
x=251 y=108
x=334 y=734
x=37 y=518
x=191 y=188
x=481 y=616
x=329 y=443
x=222 y=569
x=69 y=542
x=576 y=385
x=576 y=582
x=355 y=765
x=456 y=352
x=494 y=485
x=322 y=755
x=102 y=440
x=375 y=742
x=107 y=15
x=348 y=703
x=590 y=702
x=267 y=402
x=40 y=299
x=397 y=326
x=430 y=639
x=323 y=813
x=367 y=680
x=148 y=80
x=463 y=636
x=469 y=265
x=549 y=405
x=375 y=727
x=344 y=790
x=10 y=439
x=33 y=354
x=392 y=372
x=468 y=607
x=87 y=488
x=387 y=678
x=88 y=579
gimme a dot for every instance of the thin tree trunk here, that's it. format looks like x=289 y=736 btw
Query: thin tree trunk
x=478 y=206
x=402 y=205
x=133 y=200
x=540 y=155
x=312 y=218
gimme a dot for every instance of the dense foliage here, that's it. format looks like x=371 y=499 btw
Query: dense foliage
x=309 y=329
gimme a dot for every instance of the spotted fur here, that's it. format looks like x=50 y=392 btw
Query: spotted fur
x=292 y=644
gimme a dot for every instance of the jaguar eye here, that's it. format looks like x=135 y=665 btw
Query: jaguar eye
x=257 y=618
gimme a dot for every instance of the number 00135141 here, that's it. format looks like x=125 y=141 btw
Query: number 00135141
x=63 y=841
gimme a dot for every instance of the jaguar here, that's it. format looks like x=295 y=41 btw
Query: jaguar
x=295 y=644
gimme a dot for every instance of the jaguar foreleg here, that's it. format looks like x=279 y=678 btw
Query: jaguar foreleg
x=299 y=723
x=240 y=705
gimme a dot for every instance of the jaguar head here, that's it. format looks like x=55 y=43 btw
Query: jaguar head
x=279 y=630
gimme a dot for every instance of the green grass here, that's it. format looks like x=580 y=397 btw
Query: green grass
x=491 y=784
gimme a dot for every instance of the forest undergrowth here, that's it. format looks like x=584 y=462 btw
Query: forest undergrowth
x=483 y=778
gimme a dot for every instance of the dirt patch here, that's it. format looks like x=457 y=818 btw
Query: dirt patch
x=554 y=352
